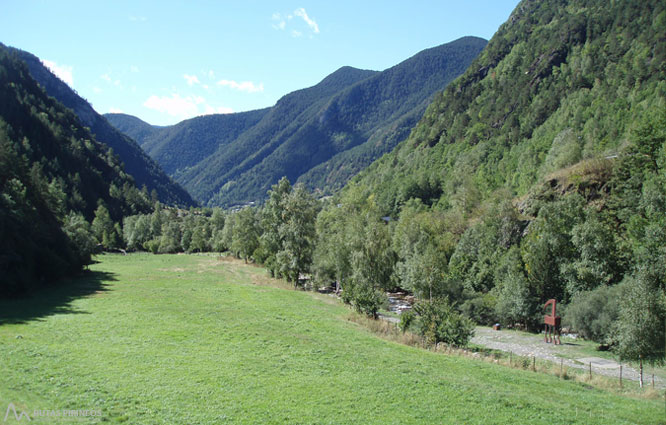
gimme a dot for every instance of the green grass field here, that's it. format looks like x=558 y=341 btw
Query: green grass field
x=192 y=340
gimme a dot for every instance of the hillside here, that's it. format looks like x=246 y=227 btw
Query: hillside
x=189 y=142
x=132 y=126
x=554 y=86
x=539 y=174
x=53 y=177
x=140 y=166
x=320 y=136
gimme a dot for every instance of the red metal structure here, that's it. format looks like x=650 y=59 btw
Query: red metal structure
x=552 y=323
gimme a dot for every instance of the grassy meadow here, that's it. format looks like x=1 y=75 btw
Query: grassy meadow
x=186 y=339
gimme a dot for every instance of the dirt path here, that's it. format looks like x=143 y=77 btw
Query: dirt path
x=533 y=345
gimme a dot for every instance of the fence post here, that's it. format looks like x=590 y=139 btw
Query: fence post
x=534 y=363
x=590 y=371
x=620 y=375
x=561 y=368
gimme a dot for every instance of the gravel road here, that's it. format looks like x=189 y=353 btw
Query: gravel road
x=532 y=345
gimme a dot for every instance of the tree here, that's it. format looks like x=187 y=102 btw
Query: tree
x=136 y=231
x=200 y=235
x=548 y=246
x=641 y=327
x=78 y=230
x=372 y=264
x=595 y=261
x=297 y=235
x=171 y=237
x=104 y=230
x=272 y=217
x=516 y=298
x=245 y=233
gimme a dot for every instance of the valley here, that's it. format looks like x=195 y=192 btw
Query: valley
x=239 y=266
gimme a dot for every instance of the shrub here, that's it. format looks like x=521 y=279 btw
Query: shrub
x=480 y=308
x=439 y=322
x=407 y=317
x=593 y=314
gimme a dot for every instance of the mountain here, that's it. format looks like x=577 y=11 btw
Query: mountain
x=554 y=86
x=539 y=174
x=239 y=162
x=189 y=142
x=132 y=126
x=320 y=136
x=144 y=170
x=54 y=176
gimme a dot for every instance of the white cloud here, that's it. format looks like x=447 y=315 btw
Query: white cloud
x=137 y=18
x=134 y=68
x=183 y=107
x=246 y=86
x=96 y=90
x=280 y=22
x=63 y=72
x=113 y=110
x=107 y=77
x=311 y=23
x=191 y=79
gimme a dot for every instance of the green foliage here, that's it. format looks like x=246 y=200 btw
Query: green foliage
x=79 y=232
x=296 y=231
x=641 y=328
x=53 y=174
x=439 y=322
x=594 y=314
x=136 y=162
x=246 y=233
x=481 y=308
x=548 y=246
x=407 y=318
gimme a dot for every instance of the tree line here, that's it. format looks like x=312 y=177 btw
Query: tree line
x=596 y=245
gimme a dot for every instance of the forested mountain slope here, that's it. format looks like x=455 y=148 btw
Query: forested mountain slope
x=132 y=126
x=144 y=170
x=539 y=173
x=189 y=142
x=320 y=136
x=559 y=82
x=54 y=176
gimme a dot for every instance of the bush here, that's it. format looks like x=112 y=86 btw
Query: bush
x=363 y=298
x=439 y=322
x=480 y=308
x=407 y=317
x=593 y=314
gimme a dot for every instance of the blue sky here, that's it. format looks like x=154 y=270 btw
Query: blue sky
x=171 y=60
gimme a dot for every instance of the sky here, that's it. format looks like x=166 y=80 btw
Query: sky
x=166 y=61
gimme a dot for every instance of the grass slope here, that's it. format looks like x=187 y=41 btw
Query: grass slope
x=189 y=339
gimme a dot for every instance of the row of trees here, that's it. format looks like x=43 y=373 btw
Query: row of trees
x=280 y=235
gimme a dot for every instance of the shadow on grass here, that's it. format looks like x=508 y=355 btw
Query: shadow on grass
x=52 y=300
